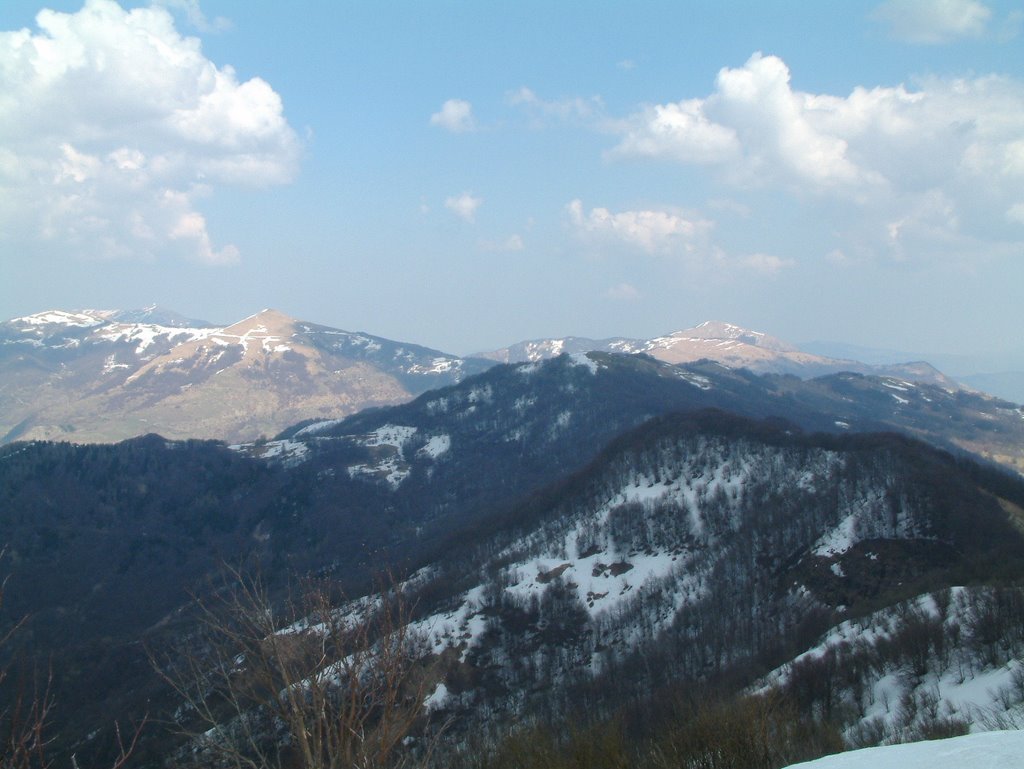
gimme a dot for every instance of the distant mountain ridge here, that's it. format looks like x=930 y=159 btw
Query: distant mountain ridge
x=725 y=343
x=105 y=375
x=98 y=376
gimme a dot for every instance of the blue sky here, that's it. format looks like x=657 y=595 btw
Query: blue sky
x=470 y=174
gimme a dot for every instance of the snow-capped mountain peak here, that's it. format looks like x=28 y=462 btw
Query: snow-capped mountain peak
x=80 y=319
x=722 y=342
x=103 y=375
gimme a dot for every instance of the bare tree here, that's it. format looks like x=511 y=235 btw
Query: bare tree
x=25 y=713
x=315 y=683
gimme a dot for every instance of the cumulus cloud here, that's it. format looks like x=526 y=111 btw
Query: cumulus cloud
x=943 y=160
x=682 y=132
x=756 y=128
x=685 y=237
x=652 y=231
x=933 y=21
x=464 y=206
x=455 y=115
x=113 y=125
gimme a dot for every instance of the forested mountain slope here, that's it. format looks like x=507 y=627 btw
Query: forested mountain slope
x=587 y=515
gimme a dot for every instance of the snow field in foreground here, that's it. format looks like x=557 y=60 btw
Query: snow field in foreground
x=988 y=750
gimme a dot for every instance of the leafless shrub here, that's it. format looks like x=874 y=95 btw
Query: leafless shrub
x=314 y=683
x=25 y=713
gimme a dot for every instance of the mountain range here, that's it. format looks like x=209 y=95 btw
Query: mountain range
x=578 y=538
x=98 y=376
x=582 y=519
x=727 y=344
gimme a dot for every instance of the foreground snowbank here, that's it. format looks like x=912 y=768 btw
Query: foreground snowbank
x=987 y=750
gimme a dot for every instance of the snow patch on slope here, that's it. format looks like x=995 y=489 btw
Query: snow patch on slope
x=317 y=427
x=146 y=334
x=990 y=750
x=390 y=461
x=435 y=446
x=582 y=359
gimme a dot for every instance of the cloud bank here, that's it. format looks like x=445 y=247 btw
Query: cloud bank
x=113 y=126
x=936 y=168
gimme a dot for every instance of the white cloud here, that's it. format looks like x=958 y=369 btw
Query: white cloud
x=933 y=21
x=756 y=128
x=112 y=125
x=464 y=205
x=943 y=160
x=652 y=231
x=456 y=115
x=680 y=131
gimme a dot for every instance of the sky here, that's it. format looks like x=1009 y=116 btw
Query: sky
x=466 y=175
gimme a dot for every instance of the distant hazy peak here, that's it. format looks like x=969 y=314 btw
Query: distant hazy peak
x=159 y=316
x=267 y=321
x=717 y=329
x=152 y=315
x=80 y=319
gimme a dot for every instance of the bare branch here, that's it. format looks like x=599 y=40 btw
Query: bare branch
x=316 y=682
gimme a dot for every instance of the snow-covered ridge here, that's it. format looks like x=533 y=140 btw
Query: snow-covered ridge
x=317 y=427
x=147 y=334
x=85 y=319
x=438 y=365
x=989 y=750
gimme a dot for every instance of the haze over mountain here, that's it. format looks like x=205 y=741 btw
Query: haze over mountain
x=999 y=373
x=107 y=375
x=726 y=343
x=93 y=375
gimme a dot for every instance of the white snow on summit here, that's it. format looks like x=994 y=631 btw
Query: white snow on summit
x=147 y=334
x=60 y=317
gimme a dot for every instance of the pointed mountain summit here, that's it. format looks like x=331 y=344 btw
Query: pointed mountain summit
x=105 y=375
x=720 y=331
x=724 y=343
x=265 y=323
